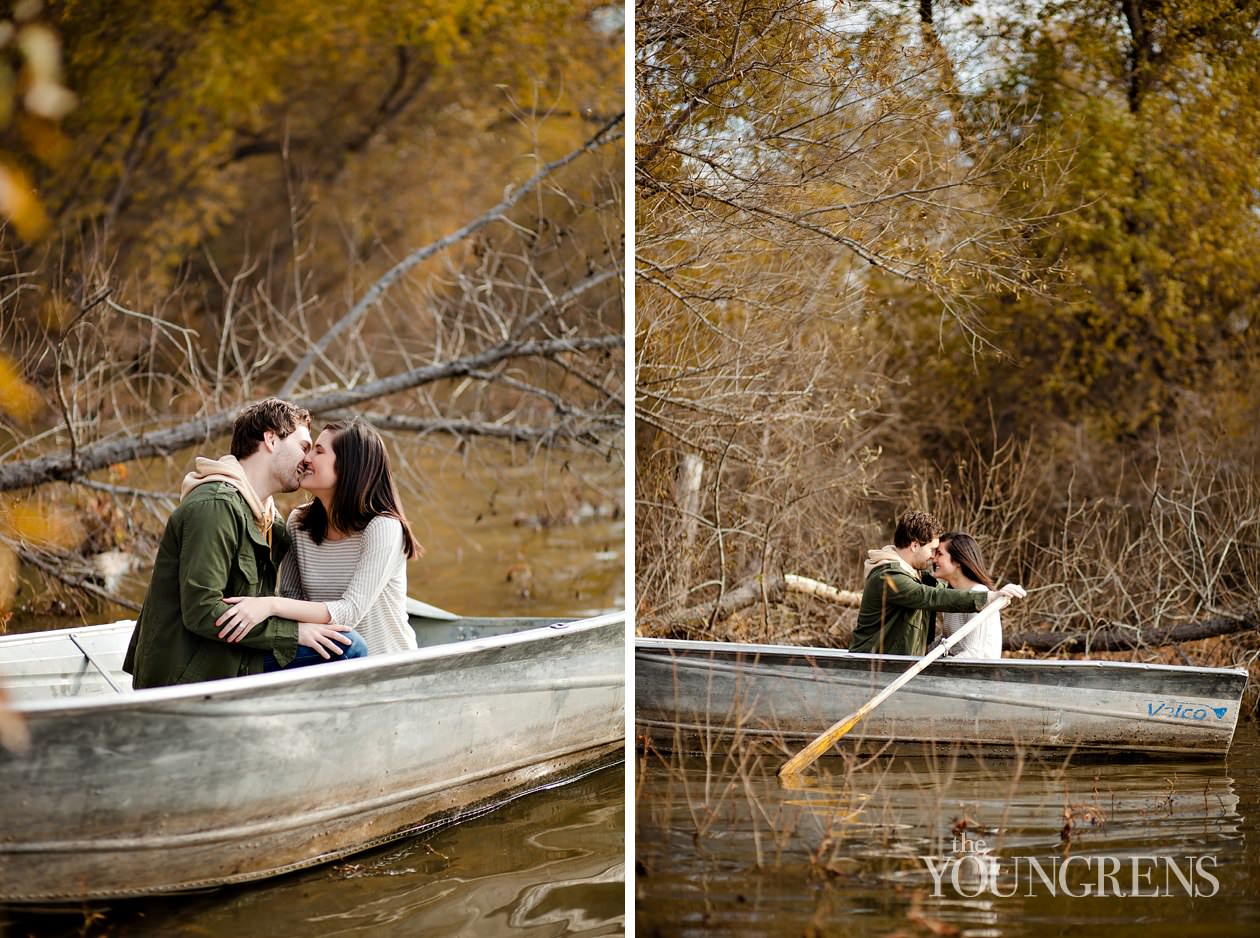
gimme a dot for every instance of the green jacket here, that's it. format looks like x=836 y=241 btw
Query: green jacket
x=892 y=619
x=211 y=548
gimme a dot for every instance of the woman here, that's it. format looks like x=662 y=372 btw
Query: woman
x=957 y=561
x=351 y=544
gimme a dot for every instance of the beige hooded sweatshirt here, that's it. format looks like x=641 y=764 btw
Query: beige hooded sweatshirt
x=228 y=469
x=882 y=555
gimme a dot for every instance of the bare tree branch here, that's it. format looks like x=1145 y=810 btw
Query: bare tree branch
x=579 y=430
x=604 y=136
x=56 y=568
x=66 y=466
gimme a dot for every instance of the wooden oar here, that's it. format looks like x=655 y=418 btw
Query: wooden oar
x=805 y=758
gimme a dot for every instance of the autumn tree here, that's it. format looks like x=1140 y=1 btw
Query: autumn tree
x=409 y=210
x=798 y=164
x=1150 y=327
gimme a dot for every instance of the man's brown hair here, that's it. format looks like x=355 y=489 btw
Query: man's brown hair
x=280 y=417
x=916 y=526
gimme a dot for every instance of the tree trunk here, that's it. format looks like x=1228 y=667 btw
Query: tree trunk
x=67 y=465
x=687 y=498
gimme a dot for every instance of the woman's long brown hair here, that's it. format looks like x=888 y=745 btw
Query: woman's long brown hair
x=365 y=487
x=965 y=552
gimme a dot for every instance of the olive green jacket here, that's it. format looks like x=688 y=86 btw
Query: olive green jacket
x=892 y=619
x=212 y=547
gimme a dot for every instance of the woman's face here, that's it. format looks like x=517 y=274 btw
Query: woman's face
x=322 y=475
x=943 y=564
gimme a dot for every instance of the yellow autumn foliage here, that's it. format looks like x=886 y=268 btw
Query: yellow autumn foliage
x=17 y=396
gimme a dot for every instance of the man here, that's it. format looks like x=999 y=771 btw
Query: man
x=225 y=538
x=892 y=618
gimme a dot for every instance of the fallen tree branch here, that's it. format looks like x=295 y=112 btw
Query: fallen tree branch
x=772 y=588
x=820 y=590
x=585 y=431
x=58 y=571
x=776 y=586
x=1129 y=639
x=65 y=466
x=747 y=593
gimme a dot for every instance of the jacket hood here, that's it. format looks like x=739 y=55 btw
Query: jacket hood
x=881 y=556
x=228 y=469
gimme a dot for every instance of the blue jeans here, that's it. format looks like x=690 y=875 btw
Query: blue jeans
x=356 y=649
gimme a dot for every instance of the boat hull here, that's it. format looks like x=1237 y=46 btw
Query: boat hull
x=180 y=788
x=691 y=695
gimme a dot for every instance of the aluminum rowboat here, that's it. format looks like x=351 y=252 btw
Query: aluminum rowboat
x=126 y=793
x=688 y=694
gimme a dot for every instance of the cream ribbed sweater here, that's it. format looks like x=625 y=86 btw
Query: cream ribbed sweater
x=986 y=642
x=361 y=578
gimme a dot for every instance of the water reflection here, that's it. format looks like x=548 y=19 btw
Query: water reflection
x=545 y=865
x=947 y=844
x=508 y=537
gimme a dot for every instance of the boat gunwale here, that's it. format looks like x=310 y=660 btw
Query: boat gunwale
x=252 y=684
x=815 y=651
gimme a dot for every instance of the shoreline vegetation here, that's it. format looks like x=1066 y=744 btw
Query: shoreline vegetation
x=1154 y=581
x=998 y=262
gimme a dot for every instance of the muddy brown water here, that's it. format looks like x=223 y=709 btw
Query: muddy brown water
x=949 y=845
x=549 y=864
x=504 y=533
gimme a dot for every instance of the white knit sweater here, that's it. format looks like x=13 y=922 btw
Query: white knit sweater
x=984 y=642
x=361 y=578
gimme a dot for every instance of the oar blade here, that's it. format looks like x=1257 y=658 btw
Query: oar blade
x=803 y=759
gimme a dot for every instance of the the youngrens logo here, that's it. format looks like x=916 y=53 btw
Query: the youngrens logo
x=976 y=872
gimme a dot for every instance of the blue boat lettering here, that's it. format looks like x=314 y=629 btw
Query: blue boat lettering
x=1177 y=710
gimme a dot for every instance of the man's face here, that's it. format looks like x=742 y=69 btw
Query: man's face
x=288 y=458
x=921 y=554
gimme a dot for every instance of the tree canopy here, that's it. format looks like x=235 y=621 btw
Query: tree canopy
x=1156 y=223
x=413 y=209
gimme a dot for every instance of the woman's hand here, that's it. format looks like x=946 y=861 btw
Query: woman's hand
x=324 y=638
x=246 y=612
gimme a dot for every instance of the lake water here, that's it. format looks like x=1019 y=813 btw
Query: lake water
x=547 y=865
x=910 y=845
